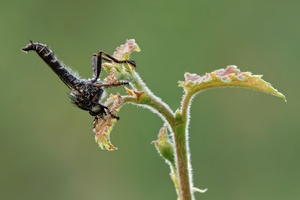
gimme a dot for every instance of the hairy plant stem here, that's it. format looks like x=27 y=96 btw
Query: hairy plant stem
x=182 y=148
x=185 y=105
x=182 y=161
x=178 y=128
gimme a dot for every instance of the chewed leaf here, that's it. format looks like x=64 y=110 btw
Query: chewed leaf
x=103 y=125
x=231 y=76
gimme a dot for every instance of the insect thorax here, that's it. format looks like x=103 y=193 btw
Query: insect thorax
x=86 y=96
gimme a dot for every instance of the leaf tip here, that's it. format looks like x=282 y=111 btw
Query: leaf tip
x=280 y=95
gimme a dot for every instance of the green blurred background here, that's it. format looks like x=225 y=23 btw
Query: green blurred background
x=244 y=144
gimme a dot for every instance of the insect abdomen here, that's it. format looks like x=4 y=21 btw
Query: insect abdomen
x=59 y=68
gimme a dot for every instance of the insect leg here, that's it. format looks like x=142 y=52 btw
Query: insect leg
x=104 y=110
x=110 y=113
x=116 y=60
x=111 y=84
x=100 y=110
x=97 y=62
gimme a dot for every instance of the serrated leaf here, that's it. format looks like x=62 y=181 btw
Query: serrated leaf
x=232 y=77
x=104 y=125
x=102 y=130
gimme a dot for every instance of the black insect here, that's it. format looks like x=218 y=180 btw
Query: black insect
x=85 y=94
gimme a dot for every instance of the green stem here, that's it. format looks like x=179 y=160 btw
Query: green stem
x=149 y=99
x=182 y=161
x=178 y=130
x=185 y=104
x=182 y=148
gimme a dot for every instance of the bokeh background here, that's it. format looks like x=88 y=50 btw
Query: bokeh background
x=244 y=144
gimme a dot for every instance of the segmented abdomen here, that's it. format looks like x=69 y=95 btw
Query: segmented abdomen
x=70 y=79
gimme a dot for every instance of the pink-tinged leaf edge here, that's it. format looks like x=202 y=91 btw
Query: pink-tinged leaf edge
x=104 y=125
x=123 y=51
x=230 y=76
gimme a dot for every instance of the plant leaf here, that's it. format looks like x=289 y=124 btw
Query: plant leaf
x=231 y=76
x=123 y=71
x=123 y=51
x=104 y=125
x=164 y=146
